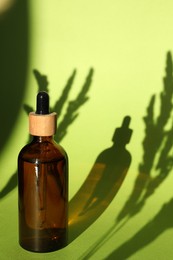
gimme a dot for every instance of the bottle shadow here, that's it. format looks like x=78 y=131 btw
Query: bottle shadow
x=71 y=113
x=102 y=183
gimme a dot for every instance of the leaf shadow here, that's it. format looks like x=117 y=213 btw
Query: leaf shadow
x=147 y=234
x=157 y=159
x=157 y=144
x=73 y=109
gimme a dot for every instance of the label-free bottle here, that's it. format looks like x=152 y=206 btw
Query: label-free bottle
x=42 y=184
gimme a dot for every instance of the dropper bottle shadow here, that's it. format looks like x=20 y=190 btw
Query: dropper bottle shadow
x=116 y=160
x=102 y=183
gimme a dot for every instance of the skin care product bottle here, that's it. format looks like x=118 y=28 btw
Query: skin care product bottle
x=42 y=184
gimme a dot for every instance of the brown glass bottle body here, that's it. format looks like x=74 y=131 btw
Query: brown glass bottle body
x=43 y=195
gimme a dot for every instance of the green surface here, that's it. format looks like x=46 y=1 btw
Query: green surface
x=128 y=44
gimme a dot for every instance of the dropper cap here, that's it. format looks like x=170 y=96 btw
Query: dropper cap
x=41 y=122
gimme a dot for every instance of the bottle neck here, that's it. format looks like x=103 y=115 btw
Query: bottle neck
x=41 y=139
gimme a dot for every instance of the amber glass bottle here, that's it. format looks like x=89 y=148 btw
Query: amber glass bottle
x=42 y=184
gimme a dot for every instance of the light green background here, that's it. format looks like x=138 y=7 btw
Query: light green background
x=126 y=43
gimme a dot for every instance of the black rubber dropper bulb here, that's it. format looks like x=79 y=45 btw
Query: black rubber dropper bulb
x=42 y=103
